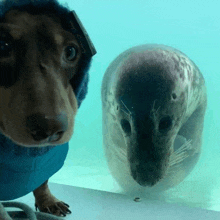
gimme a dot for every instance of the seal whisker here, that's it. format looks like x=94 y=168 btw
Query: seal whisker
x=126 y=107
x=154 y=104
x=122 y=154
x=157 y=110
x=154 y=112
x=125 y=112
x=181 y=154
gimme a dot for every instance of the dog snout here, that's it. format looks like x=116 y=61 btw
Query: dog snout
x=47 y=128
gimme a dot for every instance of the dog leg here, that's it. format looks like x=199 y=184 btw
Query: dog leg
x=46 y=202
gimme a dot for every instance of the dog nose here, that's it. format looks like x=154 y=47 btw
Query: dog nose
x=44 y=127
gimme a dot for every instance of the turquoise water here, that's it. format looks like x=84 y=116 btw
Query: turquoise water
x=193 y=27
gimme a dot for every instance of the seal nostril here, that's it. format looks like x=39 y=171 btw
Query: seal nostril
x=126 y=126
x=165 y=123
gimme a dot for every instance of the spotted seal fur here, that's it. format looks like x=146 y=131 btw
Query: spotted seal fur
x=153 y=101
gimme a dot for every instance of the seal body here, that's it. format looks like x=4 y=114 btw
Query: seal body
x=153 y=101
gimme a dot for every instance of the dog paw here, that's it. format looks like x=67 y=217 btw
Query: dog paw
x=52 y=206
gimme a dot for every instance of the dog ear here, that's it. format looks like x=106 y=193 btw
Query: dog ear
x=80 y=81
x=81 y=35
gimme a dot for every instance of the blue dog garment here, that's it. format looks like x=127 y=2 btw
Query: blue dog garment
x=23 y=169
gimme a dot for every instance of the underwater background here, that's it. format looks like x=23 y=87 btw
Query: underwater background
x=193 y=27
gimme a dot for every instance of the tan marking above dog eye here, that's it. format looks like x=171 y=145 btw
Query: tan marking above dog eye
x=58 y=39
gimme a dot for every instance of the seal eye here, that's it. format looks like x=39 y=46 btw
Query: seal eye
x=126 y=126
x=165 y=123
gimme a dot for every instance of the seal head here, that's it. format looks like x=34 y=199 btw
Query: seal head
x=154 y=102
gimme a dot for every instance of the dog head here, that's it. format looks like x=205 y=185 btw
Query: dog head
x=45 y=55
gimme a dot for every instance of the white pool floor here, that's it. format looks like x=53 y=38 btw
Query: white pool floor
x=87 y=204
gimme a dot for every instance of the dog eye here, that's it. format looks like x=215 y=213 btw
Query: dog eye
x=70 y=53
x=5 y=48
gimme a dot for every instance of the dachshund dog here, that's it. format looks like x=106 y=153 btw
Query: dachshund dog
x=45 y=55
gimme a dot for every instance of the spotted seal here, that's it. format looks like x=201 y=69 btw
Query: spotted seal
x=153 y=102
